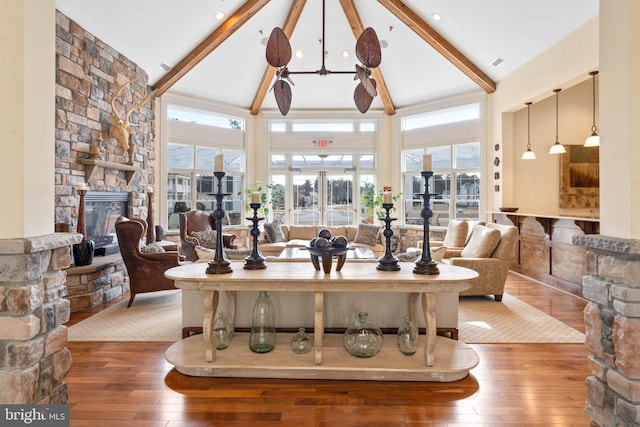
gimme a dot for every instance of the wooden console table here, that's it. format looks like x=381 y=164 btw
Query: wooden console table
x=449 y=360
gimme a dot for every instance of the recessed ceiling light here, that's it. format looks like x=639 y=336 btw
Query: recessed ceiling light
x=345 y=53
x=219 y=15
x=384 y=44
x=299 y=54
x=497 y=62
x=436 y=17
x=164 y=66
x=264 y=41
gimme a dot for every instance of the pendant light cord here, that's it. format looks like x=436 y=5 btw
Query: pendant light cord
x=529 y=126
x=557 y=91
x=594 y=129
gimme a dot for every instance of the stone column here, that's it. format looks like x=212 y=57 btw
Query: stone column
x=34 y=359
x=612 y=322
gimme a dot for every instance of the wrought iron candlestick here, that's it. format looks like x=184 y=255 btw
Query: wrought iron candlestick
x=426 y=265
x=83 y=251
x=219 y=264
x=255 y=261
x=151 y=228
x=388 y=262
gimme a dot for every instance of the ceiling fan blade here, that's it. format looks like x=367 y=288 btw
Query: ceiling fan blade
x=368 y=48
x=278 y=48
x=370 y=86
x=282 y=91
x=361 y=73
x=362 y=98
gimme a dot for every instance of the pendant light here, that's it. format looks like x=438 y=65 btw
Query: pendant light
x=557 y=148
x=594 y=139
x=528 y=155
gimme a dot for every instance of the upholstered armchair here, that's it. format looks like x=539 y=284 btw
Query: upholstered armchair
x=198 y=221
x=146 y=270
x=457 y=236
x=489 y=252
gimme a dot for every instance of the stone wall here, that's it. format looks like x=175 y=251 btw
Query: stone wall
x=88 y=73
x=34 y=359
x=612 y=322
x=91 y=285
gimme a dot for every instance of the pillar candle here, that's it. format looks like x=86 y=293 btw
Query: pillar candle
x=426 y=162
x=386 y=197
x=150 y=189
x=255 y=197
x=219 y=164
x=82 y=186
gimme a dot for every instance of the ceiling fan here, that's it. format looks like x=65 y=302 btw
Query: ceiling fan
x=368 y=52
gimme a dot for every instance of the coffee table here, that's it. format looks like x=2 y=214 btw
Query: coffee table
x=303 y=253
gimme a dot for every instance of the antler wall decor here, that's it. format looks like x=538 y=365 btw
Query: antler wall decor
x=368 y=51
x=122 y=128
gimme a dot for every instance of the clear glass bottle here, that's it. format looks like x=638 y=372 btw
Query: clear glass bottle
x=363 y=339
x=407 y=337
x=221 y=331
x=263 y=325
x=301 y=342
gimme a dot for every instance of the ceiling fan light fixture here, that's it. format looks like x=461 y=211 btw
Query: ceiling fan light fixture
x=594 y=139
x=346 y=54
x=299 y=54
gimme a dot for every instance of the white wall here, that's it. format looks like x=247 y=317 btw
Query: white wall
x=531 y=186
x=27 y=85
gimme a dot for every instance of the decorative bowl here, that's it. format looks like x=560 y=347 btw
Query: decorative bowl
x=503 y=209
x=326 y=256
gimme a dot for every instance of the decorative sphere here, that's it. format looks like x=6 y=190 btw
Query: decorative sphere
x=312 y=242
x=339 y=242
x=325 y=233
x=321 y=242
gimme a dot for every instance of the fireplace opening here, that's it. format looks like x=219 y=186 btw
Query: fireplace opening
x=102 y=210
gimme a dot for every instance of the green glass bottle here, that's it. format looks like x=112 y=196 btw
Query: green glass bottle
x=263 y=325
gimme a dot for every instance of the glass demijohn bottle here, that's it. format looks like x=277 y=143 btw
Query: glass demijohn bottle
x=221 y=331
x=301 y=342
x=407 y=337
x=363 y=339
x=263 y=325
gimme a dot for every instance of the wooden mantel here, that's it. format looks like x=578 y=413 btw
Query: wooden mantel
x=91 y=165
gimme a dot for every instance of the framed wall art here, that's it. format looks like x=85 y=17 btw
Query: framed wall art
x=580 y=177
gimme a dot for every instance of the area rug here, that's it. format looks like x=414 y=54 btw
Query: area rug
x=157 y=317
x=483 y=320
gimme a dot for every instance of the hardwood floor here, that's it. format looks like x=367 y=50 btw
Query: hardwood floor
x=130 y=384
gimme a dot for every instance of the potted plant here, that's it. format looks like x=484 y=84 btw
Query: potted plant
x=372 y=202
x=265 y=191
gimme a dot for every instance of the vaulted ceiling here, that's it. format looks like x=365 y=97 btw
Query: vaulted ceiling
x=422 y=59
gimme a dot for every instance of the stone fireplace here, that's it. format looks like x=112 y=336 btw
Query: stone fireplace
x=102 y=210
x=88 y=74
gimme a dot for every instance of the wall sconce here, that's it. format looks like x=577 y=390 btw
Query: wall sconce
x=594 y=139
x=528 y=154
x=557 y=148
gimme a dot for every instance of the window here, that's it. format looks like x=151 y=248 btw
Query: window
x=451 y=135
x=191 y=184
x=207 y=118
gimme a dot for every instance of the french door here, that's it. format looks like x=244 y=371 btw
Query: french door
x=322 y=197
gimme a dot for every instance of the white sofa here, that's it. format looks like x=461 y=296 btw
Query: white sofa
x=295 y=309
x=298 y=236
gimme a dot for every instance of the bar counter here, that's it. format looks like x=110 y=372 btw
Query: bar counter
x=545 y=251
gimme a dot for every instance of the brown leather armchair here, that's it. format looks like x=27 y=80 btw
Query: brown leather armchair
x=198 y=221
x=146 y=270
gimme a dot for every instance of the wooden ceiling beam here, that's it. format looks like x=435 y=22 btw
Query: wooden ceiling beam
x=357 y=28
x=439 y=43
x=208 y=45
x=289 y=25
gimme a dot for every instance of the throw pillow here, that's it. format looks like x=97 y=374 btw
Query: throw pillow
x=456 y=234
x=205 y=254
x=438 y=253
x=206 y=238
x=152 y=248
x=409 y=256
x=482 y=243
x=274 y=232
x=367 y=234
